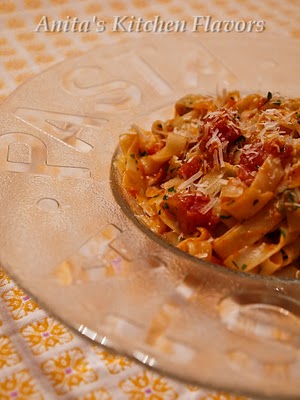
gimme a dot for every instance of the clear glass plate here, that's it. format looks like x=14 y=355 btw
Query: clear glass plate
x=70 y=238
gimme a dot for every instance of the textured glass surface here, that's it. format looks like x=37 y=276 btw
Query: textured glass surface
x=69 y=236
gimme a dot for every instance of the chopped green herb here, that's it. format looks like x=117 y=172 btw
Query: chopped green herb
x=283 y=232
x=165 y=197
x=277 y=103
x=171 y=189
x=132 y=156
x=255 y=202
x=155 y=196
x=289 y=201
x=243 y=267
x=289 y=195
x=269 y=97
x=143 y=154
x=166 y=206
x=225 y=216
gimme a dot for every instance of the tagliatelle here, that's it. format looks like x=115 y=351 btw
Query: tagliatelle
x=220 y=180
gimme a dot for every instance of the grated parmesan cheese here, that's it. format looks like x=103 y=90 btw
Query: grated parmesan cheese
x=209 y=205
x=189 y=181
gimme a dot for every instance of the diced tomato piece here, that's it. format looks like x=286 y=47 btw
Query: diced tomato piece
x=222 y=126
x=187 y=209
x=226 y=125
x=253 y=157
x=278 y=148
x=190 y=168
x=250 y=160
x=245 y=175
x=161 y=174
x=155 y=148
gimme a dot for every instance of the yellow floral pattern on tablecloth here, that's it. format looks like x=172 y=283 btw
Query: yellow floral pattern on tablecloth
x=45 y=334
x=115 y=364
x=19 y=386
x=193 y=388
x=8 y=355
x=19 y=304
x=68 y=371
x=221 y=396
x=99 y=394
x=4 y=278
x=148 y=386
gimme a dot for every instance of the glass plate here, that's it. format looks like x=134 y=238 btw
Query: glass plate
x=69 y=237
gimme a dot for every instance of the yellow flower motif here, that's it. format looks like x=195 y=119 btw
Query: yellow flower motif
x=19 y=386
x=193 y=388
x=32 y=4
x=100 y=394
x=148 y=386
x=18 y=303
x=8 y=355
x=45 y=334
x=7 y=6
x=114 y=364
x=14 y=64
x=56 y=2
x=221 y=396
x=4 y=279
x=15 y=23
x=26 y=36
x=43 y=58
x=68 y=371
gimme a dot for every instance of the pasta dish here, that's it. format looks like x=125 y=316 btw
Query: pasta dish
x=220 y=180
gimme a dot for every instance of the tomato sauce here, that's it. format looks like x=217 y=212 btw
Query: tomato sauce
x=155 y=148
x=190 y=168
x=225 y=124
x=187 y=209
x=227 y=132
x=254 y=157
